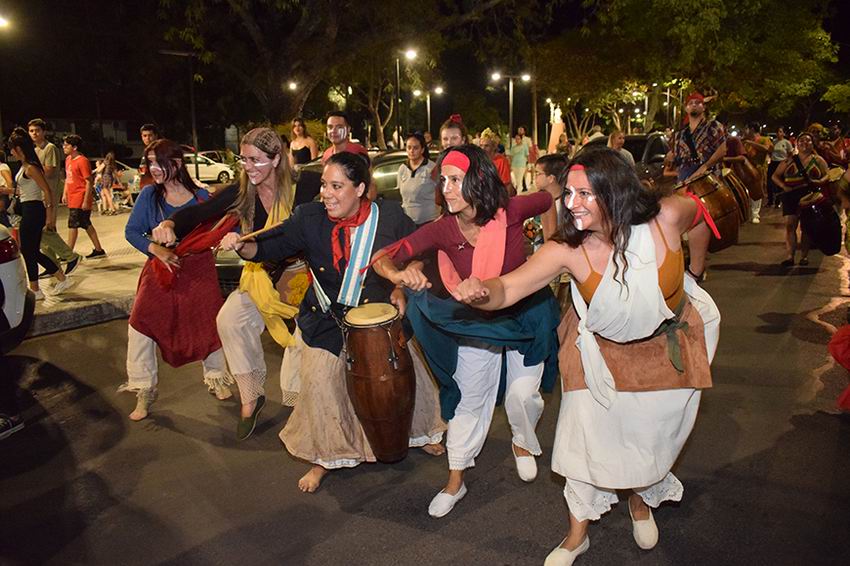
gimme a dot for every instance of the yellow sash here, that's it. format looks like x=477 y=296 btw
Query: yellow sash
x=256 y=282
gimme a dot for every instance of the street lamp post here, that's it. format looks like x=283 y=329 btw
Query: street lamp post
x=525 y=77
x=191 y=57
x=410 y=55
x=437 y=90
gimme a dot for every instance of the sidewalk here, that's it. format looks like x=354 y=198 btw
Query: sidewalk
x=103 y=289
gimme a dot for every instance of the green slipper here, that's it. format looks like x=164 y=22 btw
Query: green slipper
x=247 y=426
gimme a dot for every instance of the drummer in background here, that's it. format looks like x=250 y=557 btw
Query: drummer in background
x=782 y=148
x=757 y=148
x=796 y=176
x=323 y=428
x=262 y=197
x=479 y=234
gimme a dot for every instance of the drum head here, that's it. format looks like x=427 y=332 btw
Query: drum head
x=371 y=314
x=835 y=173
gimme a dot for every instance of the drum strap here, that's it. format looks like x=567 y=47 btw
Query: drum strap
x=689 y=140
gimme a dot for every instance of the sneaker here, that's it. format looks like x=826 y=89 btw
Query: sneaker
x=9 y=425
x=756 y=220
x=39 y=295
x=61 y=286
x=72 y=265
x=96 y=253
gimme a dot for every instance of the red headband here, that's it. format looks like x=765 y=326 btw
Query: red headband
x=695 y=96
x=577 y=168
x=457 y=159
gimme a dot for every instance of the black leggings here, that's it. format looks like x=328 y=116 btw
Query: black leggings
x=33 y=219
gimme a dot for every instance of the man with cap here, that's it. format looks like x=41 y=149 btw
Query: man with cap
x=701 y=144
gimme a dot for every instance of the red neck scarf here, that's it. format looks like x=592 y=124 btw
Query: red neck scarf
x=346 y=224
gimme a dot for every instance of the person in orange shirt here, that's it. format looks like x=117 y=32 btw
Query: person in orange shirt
x=489 y=142
x=78 y=194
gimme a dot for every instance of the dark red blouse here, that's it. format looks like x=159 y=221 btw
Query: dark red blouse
x=444 y=234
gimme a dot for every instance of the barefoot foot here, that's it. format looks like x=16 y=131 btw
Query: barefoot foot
x=310 y=481
x=435 y=449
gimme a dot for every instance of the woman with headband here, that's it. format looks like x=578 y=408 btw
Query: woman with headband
x=261 y=199
x=337 y=238
x=477 y=358
x=635 y=347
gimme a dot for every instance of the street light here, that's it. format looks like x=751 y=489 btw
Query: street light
x=417 y=93
x=191 y=57
x=410 y=55
x=293 y=85
x=525 y=77
x=4 y=23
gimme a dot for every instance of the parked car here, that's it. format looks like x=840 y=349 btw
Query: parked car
x=18 y=302
x=219 y=156
x=384 y=172
x=208 y=170
x=648 y=150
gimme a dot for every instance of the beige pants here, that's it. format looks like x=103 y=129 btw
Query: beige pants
x=240 y=327
x=142 y=364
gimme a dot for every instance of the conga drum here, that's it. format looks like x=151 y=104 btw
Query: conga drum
x=739 y=191
x=820 y=223
x=380 y=379
x=722 y=207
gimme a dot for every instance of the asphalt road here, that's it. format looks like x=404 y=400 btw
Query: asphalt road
x=766 y=470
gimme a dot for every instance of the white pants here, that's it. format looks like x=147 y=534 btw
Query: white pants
x=589 y=502
x=478 y=369
x=290 y=371
x=142 y=364
x=240 y=327
x=518 y=174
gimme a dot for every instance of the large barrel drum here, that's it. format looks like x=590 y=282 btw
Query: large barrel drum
x=721 y=205
x=380 y=378
x=820 y=223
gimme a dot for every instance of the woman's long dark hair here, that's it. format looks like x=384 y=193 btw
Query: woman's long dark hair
x=20 y=138
x=168 y=153
x=623 y=201
x=482 y=187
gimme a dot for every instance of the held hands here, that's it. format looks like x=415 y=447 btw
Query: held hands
x=230 y=241
x=166 y=256
x=412 y=278
x=164 y=233
x=50 y=224
x=471 y=291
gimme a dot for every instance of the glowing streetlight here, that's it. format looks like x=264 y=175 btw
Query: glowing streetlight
x=410 y=54
x=497 y=76
x=438 y=90
x=4 y=23
x=620 y=110
x=417 y=92
x=293 y=85
x=548 y=101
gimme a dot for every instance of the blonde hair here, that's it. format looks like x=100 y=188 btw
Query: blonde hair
x=267 y=141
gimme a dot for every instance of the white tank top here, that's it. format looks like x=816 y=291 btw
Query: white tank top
x=27 y=188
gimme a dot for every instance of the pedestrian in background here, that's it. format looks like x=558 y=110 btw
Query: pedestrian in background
x=416 y=181
x=616 y=141
x=37 y=210
x=782 y=148
x=79 y=194
x=303 y=148
x=52 y=244
x=519 y=162
x=108 y=178
x=489 y=141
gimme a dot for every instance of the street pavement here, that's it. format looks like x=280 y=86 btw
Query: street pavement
x=765 y=470
x=103 y=288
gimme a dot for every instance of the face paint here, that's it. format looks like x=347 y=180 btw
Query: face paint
x=579 y=224
x=572 y=200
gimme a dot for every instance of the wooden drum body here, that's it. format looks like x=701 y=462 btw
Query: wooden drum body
x=751 y=177
x=380 y=379
x=739 y=192
x=820 y=222
x=723 y=208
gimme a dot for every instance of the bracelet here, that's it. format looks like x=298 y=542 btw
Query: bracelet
x=48 y=206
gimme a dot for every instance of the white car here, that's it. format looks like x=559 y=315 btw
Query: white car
x=16 y=299
x=208 y=170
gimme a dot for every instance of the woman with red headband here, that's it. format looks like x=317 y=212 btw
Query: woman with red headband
x=476 y=358
x=635 y=347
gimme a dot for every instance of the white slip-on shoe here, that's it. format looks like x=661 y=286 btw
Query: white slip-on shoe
x=563 y=557
x=443 y=502
x=645 y=532
x=526 y=466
